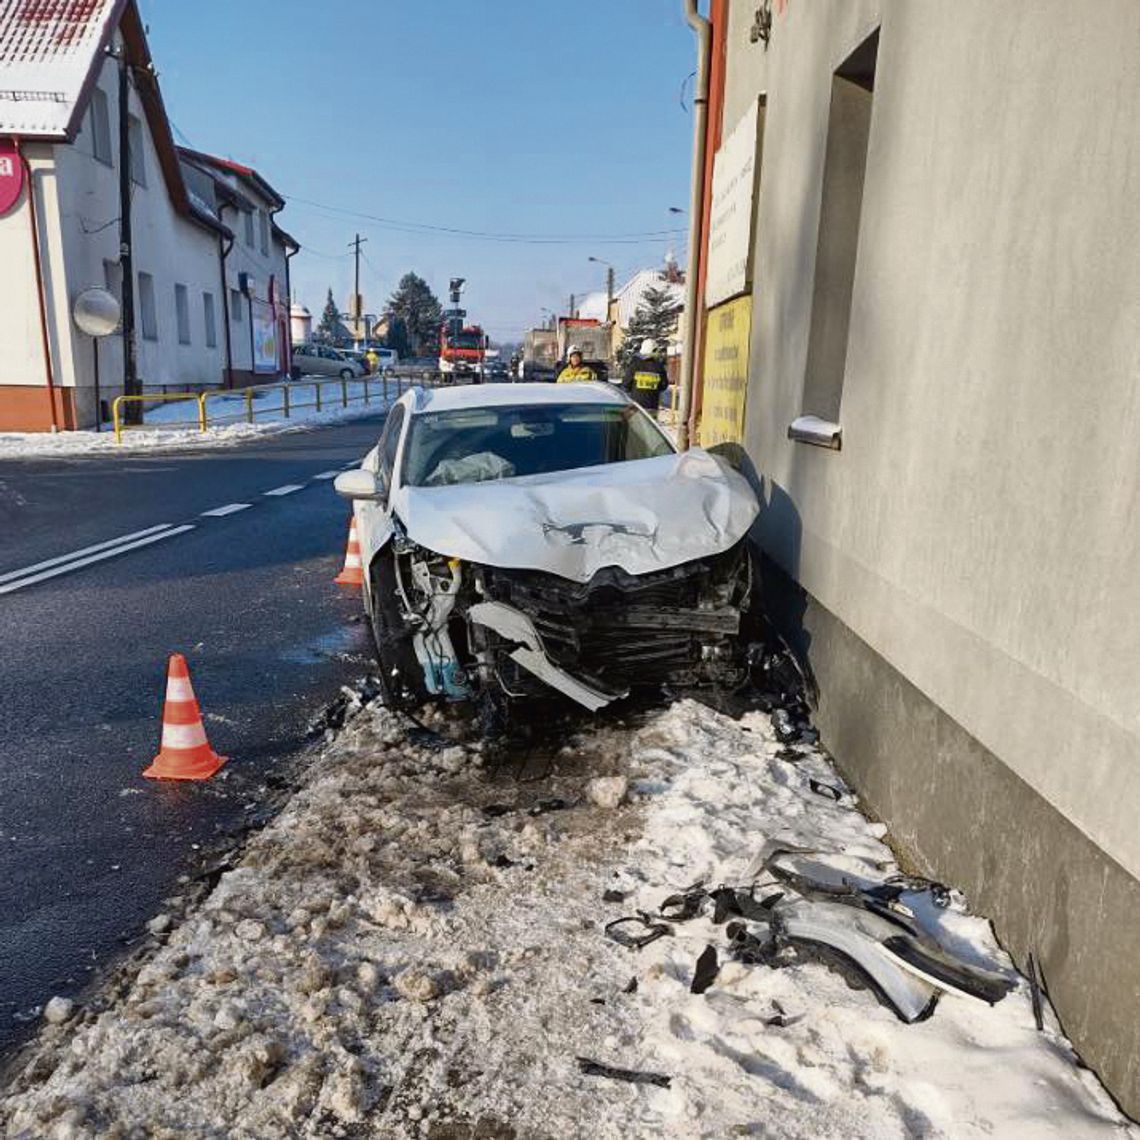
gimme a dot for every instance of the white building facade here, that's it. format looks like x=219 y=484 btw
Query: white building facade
x=63 y=235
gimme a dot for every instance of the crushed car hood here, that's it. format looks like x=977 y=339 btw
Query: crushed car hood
x=644 y=515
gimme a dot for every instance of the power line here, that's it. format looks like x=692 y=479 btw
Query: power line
x=637 y=238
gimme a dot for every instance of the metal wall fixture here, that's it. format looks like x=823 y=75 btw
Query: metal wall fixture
x=762 y=24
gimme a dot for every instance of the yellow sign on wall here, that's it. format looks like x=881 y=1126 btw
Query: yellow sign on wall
x=725 y=377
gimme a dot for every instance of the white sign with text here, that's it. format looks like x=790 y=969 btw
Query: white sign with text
x=733 y=208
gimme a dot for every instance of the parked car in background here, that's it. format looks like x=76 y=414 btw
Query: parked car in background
x=521 y=540
x=323 y=360
x=389 y=358
x=359 y=357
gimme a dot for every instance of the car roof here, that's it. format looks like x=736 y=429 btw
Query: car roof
x=498 y=395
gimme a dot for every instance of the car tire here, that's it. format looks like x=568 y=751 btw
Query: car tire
x=347 y=374
x=401 y=676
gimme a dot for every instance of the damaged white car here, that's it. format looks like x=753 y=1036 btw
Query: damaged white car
x=519 y=539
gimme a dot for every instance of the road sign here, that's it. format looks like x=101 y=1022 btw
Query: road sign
x=11 y=175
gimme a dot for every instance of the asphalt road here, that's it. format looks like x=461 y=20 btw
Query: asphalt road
x=88 y=848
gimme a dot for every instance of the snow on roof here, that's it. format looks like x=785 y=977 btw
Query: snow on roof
x=245 y=174
x=593 y=307
x=48 y=50
x=500 y=395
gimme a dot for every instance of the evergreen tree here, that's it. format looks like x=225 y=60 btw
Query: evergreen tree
x=397 y=338
x=656 y=318
x=418 y=308
x=328 y=327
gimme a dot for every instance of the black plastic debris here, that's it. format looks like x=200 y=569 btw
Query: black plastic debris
x=612 y=896
x=684 y=906
x=633 y=1076
x=630 y=986
x=708 y=966
x=748 y=948
x=780 y=1018
x=636 y=931
x=733 y=902
x=828 y=791
x=493 y=811
x=553 y=804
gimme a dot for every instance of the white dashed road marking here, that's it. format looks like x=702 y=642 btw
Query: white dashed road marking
x=157 y=535
x=80 y=553
x=228 y=509
x=13 y=580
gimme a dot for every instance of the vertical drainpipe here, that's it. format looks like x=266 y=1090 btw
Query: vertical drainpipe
x=224 y=252
x=289 y=313
x=40 y=295
x=700 y=119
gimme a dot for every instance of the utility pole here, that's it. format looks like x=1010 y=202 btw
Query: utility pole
x=357 y=311
x=570 y=312
x=131 y=385
x=609 y=291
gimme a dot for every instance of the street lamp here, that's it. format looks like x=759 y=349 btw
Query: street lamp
x=609 y=283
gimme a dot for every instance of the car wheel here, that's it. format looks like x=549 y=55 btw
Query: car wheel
x=346 y=374
x=401 y=675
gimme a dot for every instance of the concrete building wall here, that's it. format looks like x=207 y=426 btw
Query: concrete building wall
x=970 y=554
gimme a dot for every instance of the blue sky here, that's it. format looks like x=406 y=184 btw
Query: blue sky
x=526 y=117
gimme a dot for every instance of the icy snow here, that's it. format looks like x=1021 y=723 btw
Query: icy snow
x=388 y=959
x=170 y=425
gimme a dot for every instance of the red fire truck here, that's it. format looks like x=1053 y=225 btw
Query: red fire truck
x=462 y=348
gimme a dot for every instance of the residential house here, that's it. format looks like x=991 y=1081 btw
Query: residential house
x=62 y=68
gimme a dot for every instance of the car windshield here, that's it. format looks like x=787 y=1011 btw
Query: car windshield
x=477 y=444
x=465 y=340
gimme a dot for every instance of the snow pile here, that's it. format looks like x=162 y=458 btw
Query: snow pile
x=170 y=425
x=416 y=947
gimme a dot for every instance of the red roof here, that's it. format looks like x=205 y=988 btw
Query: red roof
x=229 y=164
x=35 y=30
x=48 y=52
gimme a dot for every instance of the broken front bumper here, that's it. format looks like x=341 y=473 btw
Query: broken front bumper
x=596 y=641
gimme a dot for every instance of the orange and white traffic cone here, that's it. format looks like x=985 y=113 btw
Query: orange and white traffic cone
x=185 y=753
x=353 y=572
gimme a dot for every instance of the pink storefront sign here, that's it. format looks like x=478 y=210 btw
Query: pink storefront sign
x=11 y=175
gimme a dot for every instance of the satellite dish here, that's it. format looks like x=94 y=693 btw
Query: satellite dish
x=96 y=312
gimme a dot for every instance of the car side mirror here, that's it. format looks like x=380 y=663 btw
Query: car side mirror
x=360 y=484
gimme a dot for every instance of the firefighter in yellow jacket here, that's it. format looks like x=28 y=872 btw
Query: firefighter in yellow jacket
x=576 y=371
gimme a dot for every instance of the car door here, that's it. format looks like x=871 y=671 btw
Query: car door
x=374 y=519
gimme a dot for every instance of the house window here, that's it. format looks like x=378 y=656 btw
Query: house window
x=249 y=229
x=148 y=315
x=237 y=303
x=841 y=204
x=137 y=155
x=208 y=315
x=264 y=219
x=182 y=310
x=100 y=126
